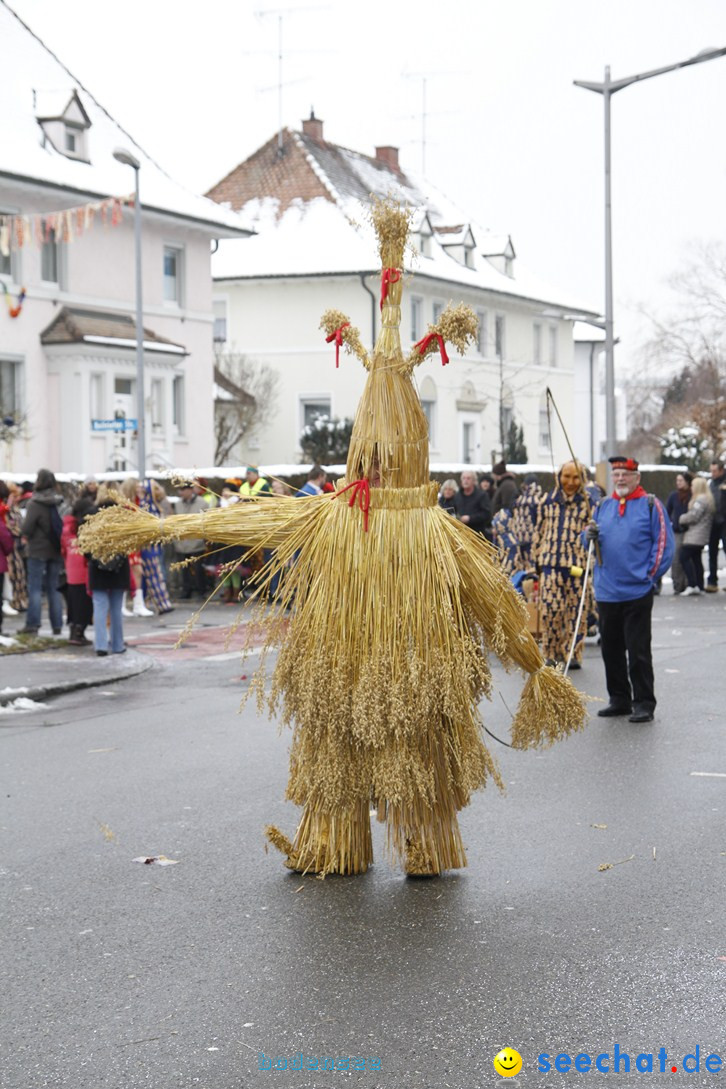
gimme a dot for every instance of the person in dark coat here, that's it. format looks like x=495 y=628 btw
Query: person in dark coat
x=472 y=505
x=108 y=582
x=717 y=535
x=676 y=505
x=42 y=529
x=507 y=490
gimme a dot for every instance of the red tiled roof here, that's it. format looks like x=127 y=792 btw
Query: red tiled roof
x=306 y=169
x=268 y=174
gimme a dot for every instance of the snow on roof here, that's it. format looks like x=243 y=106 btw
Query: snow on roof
x=310 y=239
x=304 y=230
x=315 y=238
x=584 y=331
x=50 y=103
x=35 y=84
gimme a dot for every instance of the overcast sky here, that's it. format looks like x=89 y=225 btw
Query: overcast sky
x=508 y=137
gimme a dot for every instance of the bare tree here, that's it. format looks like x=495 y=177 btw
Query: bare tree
x=690 y=344
x=245 y=403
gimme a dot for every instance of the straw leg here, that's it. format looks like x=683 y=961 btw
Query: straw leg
x=434 y=845
x=329 y=843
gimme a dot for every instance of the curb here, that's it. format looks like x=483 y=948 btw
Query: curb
x=57 y=688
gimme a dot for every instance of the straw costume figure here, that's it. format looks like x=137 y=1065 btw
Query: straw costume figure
x=557 y=549
x=400 y=600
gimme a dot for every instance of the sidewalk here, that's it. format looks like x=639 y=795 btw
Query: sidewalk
x=51 y=672
x=40 y=674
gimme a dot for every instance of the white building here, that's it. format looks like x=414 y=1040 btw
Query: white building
x=315 y=250
x=68 y=359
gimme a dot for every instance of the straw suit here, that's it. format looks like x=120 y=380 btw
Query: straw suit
x=401 y=601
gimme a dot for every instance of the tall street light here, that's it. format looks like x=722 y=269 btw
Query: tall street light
x=607 y=89
x=128 y=159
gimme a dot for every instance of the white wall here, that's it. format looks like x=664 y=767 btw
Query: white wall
x=275 y=322
x=97 y=273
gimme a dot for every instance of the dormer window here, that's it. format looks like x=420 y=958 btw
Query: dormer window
x=458 y=242
x=64 y=123
x=421 y=232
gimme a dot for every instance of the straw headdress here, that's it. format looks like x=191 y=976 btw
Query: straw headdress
x=400 y=603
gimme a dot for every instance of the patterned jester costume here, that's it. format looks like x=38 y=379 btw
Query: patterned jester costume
x=400 y=601
x=558 y=551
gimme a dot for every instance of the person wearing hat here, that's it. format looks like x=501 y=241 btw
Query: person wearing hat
x=635 y=538
x=254 y=484
x=506 y=491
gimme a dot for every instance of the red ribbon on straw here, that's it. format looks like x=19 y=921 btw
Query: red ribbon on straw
x=388 y=276
x=423 y=344
x=361 y=492
x=337 y=336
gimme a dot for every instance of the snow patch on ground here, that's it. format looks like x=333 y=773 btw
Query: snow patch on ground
x=22 y=703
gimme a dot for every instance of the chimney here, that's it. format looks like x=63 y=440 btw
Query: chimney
x=389 y=156
x=313 y=127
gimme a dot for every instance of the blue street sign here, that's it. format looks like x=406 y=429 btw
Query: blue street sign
x=113 y=425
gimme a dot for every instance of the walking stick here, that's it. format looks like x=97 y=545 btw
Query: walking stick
x=582 y=606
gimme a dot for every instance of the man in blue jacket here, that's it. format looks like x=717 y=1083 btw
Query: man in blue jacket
x=636 y=548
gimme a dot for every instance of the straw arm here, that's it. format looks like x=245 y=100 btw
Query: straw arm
x=258 y=523
x=457 y=325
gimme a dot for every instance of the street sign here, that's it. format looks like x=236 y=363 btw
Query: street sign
x=114 y=425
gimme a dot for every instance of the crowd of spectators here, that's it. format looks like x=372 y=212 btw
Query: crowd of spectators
x=537 y=533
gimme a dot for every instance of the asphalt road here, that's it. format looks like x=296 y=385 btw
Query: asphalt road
x=120 y=975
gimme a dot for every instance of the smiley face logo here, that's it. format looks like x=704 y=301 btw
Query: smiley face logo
x=508 y=1062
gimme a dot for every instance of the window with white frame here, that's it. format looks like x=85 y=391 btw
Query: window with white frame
x=537 y=343
x=314 y=408
x=8 y=257
x=173 y=274
x=157 y=405
x=468 y=441
x=416 y=318
x=482 y=335
x=552 y=346
x=219 y=309
x=50 y=257
x=10 y=377
x=429 y=411
x=178 y=405
x=499 y=336
x=424 y=244
x=95 y=392
x=438 y=310
x=544 y=425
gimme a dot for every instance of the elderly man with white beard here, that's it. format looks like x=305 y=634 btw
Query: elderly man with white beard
x=636 y=548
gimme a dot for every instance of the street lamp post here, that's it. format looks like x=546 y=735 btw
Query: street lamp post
x=607 y=89
x=128 y=159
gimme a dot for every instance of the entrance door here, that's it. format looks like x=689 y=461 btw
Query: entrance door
x=124 y=403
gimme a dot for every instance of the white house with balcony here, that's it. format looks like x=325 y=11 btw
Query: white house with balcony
x=68 y=357
x=314 y=249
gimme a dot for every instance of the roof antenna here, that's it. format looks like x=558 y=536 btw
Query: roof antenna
x=280 y=12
